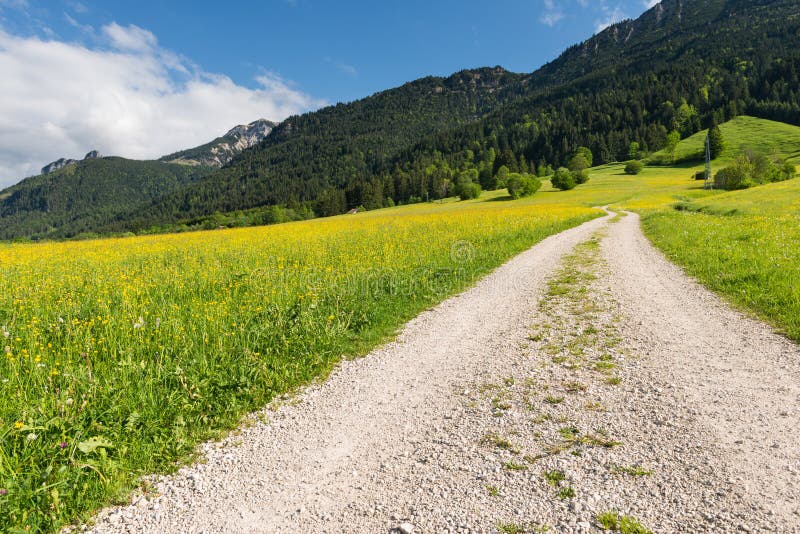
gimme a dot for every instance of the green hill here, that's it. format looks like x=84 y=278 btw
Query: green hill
x=742 y=133
x=85 y=196
x=679 y=66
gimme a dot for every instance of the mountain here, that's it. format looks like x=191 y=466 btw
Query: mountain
x=222 y=149
x=86 y=195
x=328 y=149
x=59 y=164
x=80 y=197
x=681 y=66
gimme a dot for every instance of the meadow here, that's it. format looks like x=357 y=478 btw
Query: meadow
x=120 y=355
x=742 y=244
x=740 y=134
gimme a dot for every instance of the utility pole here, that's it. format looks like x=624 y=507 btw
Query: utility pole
x=709 y=183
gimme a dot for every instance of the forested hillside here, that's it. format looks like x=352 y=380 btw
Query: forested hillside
x=637 y=87
x=87 y=195
x=681 y=66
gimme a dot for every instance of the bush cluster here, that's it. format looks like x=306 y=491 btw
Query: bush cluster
x=751 y=169
x=633 y=167
x=522 y=185
x=467 y=185
x=563 y=179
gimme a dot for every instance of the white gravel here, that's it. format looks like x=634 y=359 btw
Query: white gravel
x=452 y=427
x=738 y=379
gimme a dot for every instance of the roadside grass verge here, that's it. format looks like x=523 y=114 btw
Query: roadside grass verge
x=744 y=245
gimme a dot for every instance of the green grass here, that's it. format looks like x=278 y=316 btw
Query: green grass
x=742 y=244
x=554 y=478
x=500 y=442
x=514 y=466
x=624 y=524
x=633 y=470
x=566 y=492
x=742 y=133
x=118 y=356
x=511 y=528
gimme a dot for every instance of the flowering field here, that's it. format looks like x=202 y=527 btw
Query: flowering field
x=120 y=355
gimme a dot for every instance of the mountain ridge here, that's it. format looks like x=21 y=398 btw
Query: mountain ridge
x=634 y=81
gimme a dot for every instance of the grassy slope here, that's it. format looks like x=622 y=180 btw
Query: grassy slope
x=744 y=133
x=742 y=244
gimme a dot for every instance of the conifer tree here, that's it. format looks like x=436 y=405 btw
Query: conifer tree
x=716 y=141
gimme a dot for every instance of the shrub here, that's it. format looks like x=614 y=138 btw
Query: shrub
x=531 y=185
x=581 y=177
x=469 y=191
x=586 y=154
x=751 y=169
x=633 y=167
x=739 y=175
x=563 y=179
x=764 y=169
x=466 y=188
x=514 y=185
x=578 y=163
x=522 y=185
x=788 y=170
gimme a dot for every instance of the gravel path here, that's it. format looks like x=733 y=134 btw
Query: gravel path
x=585 y=378
x=736 y=377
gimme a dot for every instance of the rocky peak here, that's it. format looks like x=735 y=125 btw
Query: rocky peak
x=60 y=163
x=57 y=165
x=220 y=151
x=251 y=133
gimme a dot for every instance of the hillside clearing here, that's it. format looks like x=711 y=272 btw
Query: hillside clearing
x=744 y=133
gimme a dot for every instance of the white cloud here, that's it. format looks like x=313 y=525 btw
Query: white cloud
x=552 y=13
x=131 y=38
x=650 y=3
x=131 y=99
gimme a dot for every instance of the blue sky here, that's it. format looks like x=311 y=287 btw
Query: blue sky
x=192 y=69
